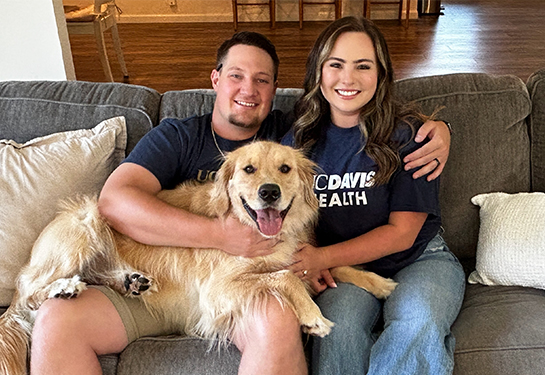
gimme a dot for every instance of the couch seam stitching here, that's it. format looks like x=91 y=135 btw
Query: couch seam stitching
x=469 y=351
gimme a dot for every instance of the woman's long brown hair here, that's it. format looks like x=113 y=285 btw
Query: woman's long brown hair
x=378 y=118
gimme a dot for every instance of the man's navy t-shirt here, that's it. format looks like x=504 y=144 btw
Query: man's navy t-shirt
x=178 y=150
x=351 y=204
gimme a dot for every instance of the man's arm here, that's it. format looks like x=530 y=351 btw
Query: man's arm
x=433 y=156
x=129 y=203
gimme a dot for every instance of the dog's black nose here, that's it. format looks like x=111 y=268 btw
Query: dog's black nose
x=269 y=192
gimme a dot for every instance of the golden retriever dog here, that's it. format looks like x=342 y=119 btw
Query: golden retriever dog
x=204 y=292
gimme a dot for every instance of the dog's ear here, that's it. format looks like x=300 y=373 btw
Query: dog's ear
x=219 y=195
x=306 y=170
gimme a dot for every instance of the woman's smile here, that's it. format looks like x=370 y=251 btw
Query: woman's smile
x=348 y=94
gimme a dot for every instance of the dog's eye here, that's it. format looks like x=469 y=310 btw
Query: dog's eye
x=249 y=169
x=284 y=168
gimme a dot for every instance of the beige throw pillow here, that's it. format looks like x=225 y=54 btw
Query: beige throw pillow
x=33 y=178
x=511 y=247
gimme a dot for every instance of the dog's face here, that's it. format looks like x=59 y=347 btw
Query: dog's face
x=267 y=185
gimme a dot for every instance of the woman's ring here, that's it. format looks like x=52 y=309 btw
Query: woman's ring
x=305 y=272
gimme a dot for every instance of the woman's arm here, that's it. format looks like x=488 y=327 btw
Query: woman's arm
x=398 y=235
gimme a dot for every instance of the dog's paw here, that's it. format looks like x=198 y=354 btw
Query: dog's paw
x=384 y=288
x=136 y=284
x=67 y=288
x=320 y=326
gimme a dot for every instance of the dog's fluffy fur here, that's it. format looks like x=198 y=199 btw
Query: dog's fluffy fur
x=202 y=292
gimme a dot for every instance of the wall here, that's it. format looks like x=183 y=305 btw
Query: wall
x=33 y=44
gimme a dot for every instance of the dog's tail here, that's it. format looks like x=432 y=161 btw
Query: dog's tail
x=15 y=333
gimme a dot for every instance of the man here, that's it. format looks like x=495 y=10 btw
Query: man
x=68 y=335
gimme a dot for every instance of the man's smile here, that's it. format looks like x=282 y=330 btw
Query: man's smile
x=245 y=104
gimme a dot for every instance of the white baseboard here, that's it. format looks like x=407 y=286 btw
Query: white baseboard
x=228 y=17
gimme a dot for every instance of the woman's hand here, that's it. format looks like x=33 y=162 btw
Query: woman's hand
x=433 y=156
x=309 y=264
x=321 y=283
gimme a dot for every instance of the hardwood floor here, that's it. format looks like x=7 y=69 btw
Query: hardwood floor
x=492 y=36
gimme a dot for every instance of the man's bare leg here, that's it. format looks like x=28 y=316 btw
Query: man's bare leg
x=69 y=334
x=272 y=343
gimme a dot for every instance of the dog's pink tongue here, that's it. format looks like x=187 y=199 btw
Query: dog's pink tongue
x=269 y=221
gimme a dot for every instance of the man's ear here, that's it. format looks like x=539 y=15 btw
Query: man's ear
x=214 y=77
x=275 y=86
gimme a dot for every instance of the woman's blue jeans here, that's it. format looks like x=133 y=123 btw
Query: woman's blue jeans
x=416 y=338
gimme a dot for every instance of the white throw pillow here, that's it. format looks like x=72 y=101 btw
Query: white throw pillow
x=33 y=178
x=511 y=247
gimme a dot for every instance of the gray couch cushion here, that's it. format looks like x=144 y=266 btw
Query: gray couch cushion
x=489 y=147
x=179 y=355
x=109 y=364
x=186 y=103
x=536 y=122
x=500 y=330
x=62 y=106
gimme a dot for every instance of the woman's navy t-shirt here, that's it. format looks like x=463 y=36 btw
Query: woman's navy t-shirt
x=351 y=204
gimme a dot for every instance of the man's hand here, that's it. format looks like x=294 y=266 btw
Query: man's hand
x=433 y=156
x=243 y=240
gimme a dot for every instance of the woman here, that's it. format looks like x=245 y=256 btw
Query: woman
x=373 y=213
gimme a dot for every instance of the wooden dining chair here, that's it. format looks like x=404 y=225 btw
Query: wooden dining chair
x=336 y=3
x=367 y=9
x=95 y=19
x=270 y=3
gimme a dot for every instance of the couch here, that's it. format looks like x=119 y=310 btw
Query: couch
x=498 y=145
